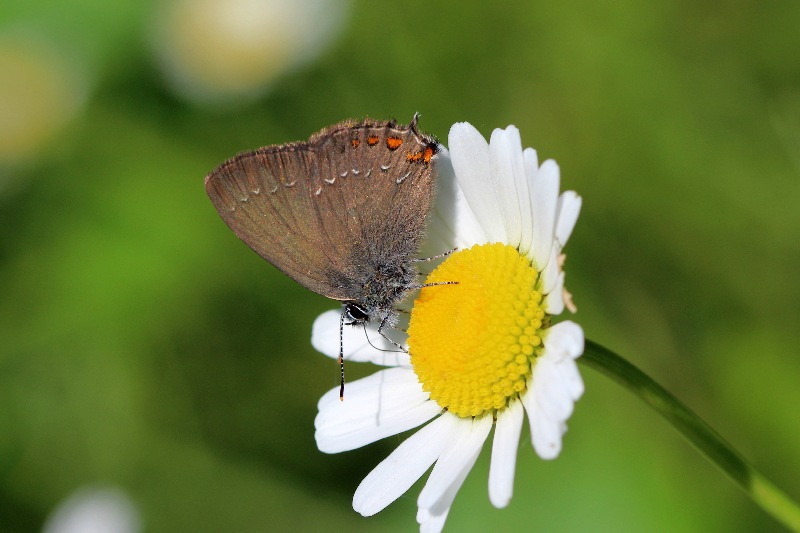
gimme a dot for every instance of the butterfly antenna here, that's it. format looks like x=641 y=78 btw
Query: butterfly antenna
x=341 y=356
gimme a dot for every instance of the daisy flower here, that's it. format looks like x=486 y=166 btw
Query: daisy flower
x=484 y=352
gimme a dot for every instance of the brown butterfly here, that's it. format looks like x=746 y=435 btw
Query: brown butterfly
x=342 y=214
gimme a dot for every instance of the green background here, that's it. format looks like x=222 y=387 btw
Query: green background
x=143 y=345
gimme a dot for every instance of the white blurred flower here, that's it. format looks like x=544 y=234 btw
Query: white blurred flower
x=94 y=510
x=226 y=50
x=484 y=352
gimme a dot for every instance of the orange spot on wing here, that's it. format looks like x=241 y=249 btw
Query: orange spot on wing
x=354 y=143
x=428 y=154
x=372 y=140
x=413 y=158
x=394 y=142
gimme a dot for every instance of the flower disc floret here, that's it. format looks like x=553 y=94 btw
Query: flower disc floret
x=473 y=344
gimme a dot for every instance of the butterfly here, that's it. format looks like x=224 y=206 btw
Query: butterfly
x=343 y=213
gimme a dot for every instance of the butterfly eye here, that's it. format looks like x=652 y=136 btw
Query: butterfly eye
x=356 y=313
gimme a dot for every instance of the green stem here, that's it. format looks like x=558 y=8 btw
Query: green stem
x=769 y=497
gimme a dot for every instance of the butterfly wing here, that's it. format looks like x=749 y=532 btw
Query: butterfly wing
x=354 y=194
x=264 y=197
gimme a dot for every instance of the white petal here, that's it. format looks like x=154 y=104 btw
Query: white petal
x=553 y=303
x=452 y=224
x=404 y=466
x=569 y=207
x=504 y=454
x=523 y=189
x=563 y=342
x=470 y=156
x=453 y=221
x=569 y=370
x=466 y=226
x=502 y=145
x=453 y=466
x=386 y=403
x=565 y=339
x=432 y=523
x=531 y=166
x=552 y=391
x=325 y=333
x=358 y=346
x=531 y=159
x=544 y=201
x=551 y=271
x=545 y=433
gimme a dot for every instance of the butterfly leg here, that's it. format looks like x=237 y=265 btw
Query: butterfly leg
x=382 y=334
x=433 y=258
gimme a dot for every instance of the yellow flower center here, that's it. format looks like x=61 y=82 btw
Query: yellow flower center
x=473 y=344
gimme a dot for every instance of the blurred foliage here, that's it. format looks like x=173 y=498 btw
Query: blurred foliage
x=143 y=345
